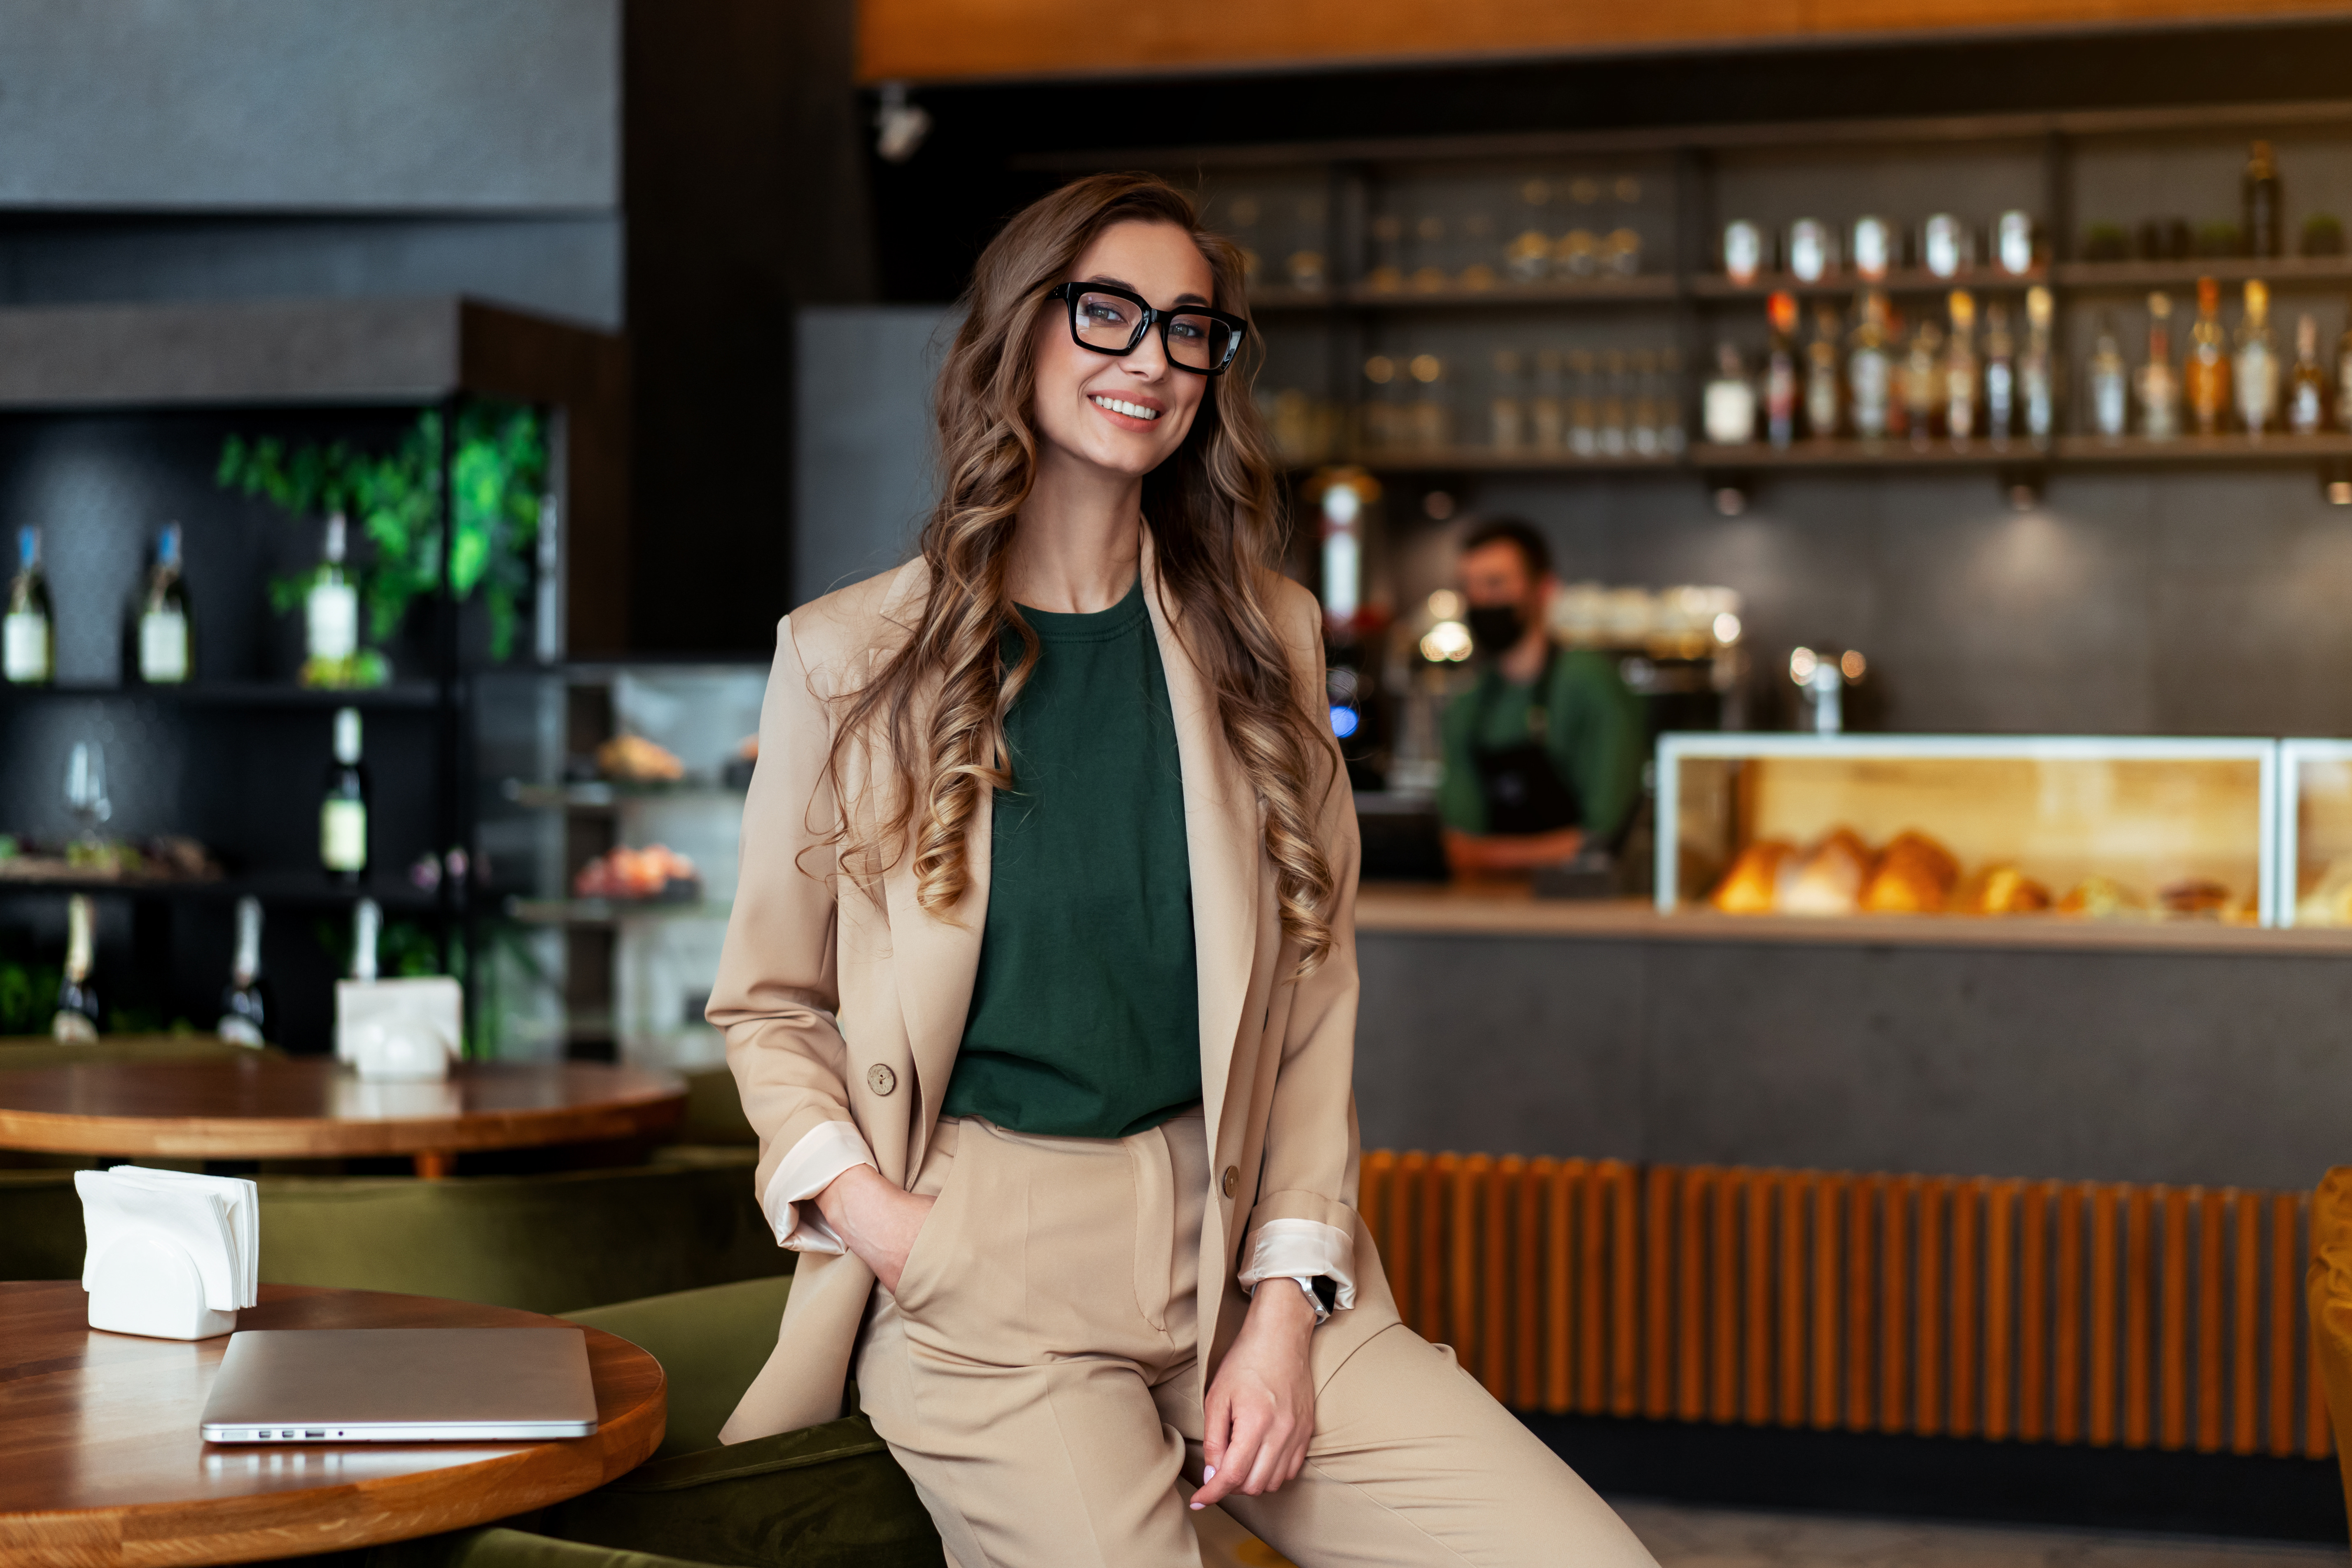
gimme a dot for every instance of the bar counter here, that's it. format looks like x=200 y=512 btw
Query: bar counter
x=2184 y=1052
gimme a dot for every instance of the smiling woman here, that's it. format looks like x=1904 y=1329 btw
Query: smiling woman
x=1040 y=983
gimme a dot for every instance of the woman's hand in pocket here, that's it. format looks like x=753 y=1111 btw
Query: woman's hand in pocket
x=875 y=1219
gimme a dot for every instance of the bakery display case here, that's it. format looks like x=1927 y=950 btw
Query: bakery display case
x=2313 y=858
x=2050 y=827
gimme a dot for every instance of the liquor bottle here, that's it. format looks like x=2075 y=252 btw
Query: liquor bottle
x=367 y=926
x=2037 y=370
x=28 y=633
x=2260 y=193
x=1727 y=407
x=2108 y=403
x=2256 y=372
x=2306 y=390
x=1505 y=414
x=2000 y=375
x=1547 y=425
x=1616 y=438
x=1432 y=412
x=1648 y=409
x=1868 y=368
x=248 y=1013
x=1960 y=370
x=164 y=639
x=1822 y=375
x=1780 y=372
x=2159 y=388
x=76 y=1023
x=343 y=811
x=1584 y=406
x=330 y=611
x=1923 y=382
x=2205 y=376
x=2344 y=380
x=1671 y=437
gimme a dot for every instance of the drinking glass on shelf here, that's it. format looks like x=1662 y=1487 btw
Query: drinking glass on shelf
x=1478 y=249
x=1386 y=275
x=1647 y=420
x=1433 y=415
x=1529 y=257
x=1545 y=424
x=1615 y=436
x=1430 y=275
x=1670 y=435
x=1506 y=413
x=85 y=786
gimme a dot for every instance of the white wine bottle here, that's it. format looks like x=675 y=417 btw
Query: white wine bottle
x=76 y=1023
x=343 y=810
x=330 y=611
x=367 y=926
x=246 y=1015
x=28 y=633
x=164 y=646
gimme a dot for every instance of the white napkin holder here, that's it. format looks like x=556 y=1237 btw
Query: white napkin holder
x=399 y=1028
x=170 y=1254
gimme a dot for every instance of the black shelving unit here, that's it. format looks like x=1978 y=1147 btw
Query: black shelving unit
x=112 y=419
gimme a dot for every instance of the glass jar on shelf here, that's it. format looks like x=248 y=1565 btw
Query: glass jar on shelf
x=1378 y=424
x=1479 y=273
x=1430 y=275
x=1306 y=268
x=1620 y=247
x=1672 y=439
x=1645 y=419
x=1527 y=258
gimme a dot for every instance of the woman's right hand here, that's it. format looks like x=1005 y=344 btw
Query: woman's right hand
x=875 y=1219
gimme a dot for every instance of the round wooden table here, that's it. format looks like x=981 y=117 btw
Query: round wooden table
x=101 y=1463
x=264 y=1107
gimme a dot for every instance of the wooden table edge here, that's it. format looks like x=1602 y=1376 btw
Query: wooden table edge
x=326 y=1138
x=619 y=1446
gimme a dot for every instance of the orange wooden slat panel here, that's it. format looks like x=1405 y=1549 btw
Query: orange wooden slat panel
x=1828 y=1293
x=1401 y=1245
x=1895 y=1316
x=2172 y=1356
x=1763 y=1192
x=2212 y=1211
x=1692 y=1289
x=1725 y=1294
x=1625 y=1284
x=1470 y=1179
x=2246 y=1271
x=1796 y=1195
x=2318 y=1436
x=2285 y=1320
x=2106 y=1289
x=1935 y=1199
x=1966 y=1398
x=1437 y=1208
x=2066 y=1339
x=1494 y=1304
x=1592 y=1292
x=2033 y=1308
x=2139 y=1279
x=1861 y=1296
x=1658 y=1212
x=1562 y=1199
x=2001 y=1307
x=1527 y=1265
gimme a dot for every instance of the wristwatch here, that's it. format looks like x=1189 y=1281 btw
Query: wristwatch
x=1320 y=1292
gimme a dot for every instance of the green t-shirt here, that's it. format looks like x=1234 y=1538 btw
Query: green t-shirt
x=1085 y=1018
x=1594 y=734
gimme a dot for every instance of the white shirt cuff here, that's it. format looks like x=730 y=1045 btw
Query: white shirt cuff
x=1302 y=1249
x=824 y=1153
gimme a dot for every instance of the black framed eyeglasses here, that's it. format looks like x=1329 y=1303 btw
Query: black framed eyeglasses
x=1112 y=320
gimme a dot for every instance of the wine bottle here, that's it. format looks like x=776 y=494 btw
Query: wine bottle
x=2159 y=388
x=28 y=633
x=1728 y=406
x=2205 y=376
x=2259 y=197
x=76 y=1023
x=1869 y=367
x=367 y=925
x=1821 y=394
x=2037 y=369
x=1780 y=372
x=330 y=611
x=2307 y=395
x=2108 y=403
x=2256 y=372
x=164 y=633
x=246 y=1012
x=343 y=812
x=2000 y=375
x=1960 y=399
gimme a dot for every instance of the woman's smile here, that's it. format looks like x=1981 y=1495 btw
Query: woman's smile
x=1129 y=413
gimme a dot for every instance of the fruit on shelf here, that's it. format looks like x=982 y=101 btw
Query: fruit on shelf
x=655 y=871
x=633 y=759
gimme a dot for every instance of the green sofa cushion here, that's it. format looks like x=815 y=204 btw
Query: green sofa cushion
x=711 y=1343
x=823 y=1497
x=40 y=1225
x=549 y=1243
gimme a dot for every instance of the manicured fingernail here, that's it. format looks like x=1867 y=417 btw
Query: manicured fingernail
x=1199 y=1506
x=1207 y=1472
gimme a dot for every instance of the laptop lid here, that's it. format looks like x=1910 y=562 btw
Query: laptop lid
x=400 y=1385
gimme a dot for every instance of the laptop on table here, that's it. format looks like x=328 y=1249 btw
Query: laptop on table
x=402 y=1386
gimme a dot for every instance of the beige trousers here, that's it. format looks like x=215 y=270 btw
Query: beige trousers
x=1035 y=1375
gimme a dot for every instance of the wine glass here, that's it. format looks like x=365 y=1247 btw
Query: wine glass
x=85 y=787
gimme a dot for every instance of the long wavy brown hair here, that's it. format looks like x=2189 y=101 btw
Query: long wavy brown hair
x=1215 y=526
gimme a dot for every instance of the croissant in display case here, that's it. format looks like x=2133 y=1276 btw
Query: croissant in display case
x=2000 y=890
x=1829 y=880
x=1752 y=886
x=1915 y=877
x=2104 y=899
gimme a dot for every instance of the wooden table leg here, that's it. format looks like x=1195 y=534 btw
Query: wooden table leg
x=433 y=1164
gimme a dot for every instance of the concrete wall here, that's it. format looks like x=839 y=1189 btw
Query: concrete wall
x=258 y=148
x=862 y=471
x=2092 y=1066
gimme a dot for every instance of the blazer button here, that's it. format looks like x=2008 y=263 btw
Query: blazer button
x=880 y=1078
x=1232 y=1179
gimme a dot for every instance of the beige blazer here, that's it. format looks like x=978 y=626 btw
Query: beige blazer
x=840 y=1008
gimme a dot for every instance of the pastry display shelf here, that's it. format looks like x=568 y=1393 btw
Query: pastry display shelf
x=611 y=912
x=2128 y=828
x=409 y=694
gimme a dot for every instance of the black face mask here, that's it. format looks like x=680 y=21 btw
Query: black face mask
x=1496 y=628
